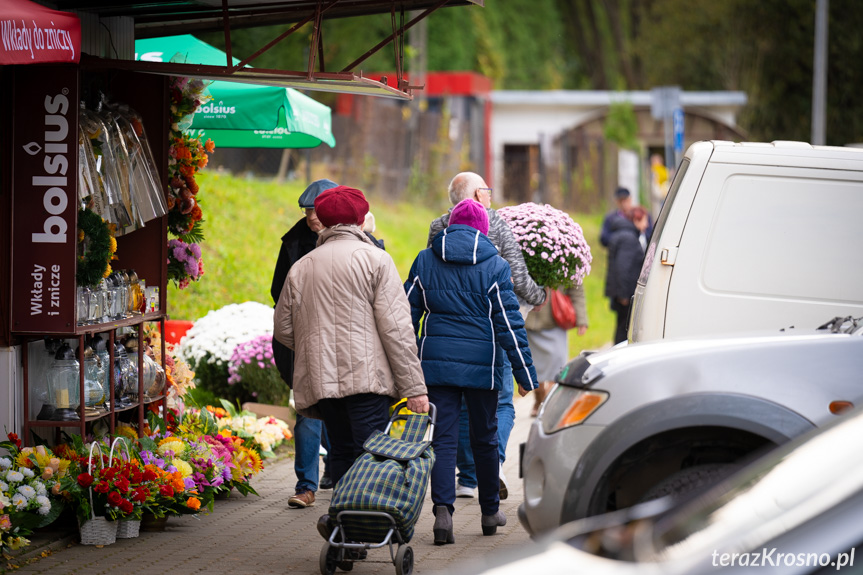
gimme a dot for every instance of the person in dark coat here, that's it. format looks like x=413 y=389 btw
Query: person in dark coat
x=309 y=434
x=625 y=256
x=461 y=290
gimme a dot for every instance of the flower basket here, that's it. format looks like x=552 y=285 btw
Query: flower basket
x=128 y=528
x=96 y=530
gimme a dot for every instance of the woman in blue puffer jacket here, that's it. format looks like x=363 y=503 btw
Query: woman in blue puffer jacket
x=460 y=290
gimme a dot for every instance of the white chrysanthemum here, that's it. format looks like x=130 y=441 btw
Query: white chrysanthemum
x=44 y=510
x=27 y=491
x=14 y=476
x=28 y=473
x=19 y=501
x=3 y=486
x=40 y=488
x=4 y=501
x=43 y=501
x=220 y=331
x=5 y=463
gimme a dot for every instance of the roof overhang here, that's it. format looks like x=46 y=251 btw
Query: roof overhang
x=170 y=17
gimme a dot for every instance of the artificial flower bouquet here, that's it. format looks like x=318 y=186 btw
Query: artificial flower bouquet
x=240 y=457
x=263 y=434
x=554 y=248
x=29 y=486
x=184 y=262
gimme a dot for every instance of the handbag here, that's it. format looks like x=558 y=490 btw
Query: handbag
x=562 y=310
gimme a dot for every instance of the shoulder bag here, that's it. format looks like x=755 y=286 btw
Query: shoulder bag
x=562 y=310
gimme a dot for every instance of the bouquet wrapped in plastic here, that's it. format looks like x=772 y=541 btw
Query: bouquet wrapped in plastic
x=554 y=248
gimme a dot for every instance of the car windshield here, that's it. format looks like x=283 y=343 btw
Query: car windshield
x=772 y=496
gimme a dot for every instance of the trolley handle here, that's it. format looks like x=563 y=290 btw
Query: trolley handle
x=432 y=415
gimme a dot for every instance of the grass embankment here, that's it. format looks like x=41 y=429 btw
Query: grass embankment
x=245 y=220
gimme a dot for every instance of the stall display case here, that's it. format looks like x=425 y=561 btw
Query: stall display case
x=43 y=253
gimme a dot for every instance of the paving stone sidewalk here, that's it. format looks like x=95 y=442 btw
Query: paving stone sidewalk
x=262 y=535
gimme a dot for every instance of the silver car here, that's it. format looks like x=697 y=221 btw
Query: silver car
x=650 y=419
x=794 y=511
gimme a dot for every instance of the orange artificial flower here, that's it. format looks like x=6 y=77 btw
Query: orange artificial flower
x=203 y=161
x=210 y=146
x=193 y=503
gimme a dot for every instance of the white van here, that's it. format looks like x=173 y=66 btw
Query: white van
x=754 y=236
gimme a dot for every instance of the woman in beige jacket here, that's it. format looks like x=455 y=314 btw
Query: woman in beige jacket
x=344 y=312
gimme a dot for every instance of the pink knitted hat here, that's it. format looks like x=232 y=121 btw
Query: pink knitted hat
x=470 y=213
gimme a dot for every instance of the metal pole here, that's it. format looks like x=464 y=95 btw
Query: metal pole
x=819 y=73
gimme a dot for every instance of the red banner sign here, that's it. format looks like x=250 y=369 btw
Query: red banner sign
x=33 y=34
x=44 y=199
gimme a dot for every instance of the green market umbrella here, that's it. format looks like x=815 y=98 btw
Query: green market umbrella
x=244 y=115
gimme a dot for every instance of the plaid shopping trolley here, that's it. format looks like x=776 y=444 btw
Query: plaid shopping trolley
x=379 y=499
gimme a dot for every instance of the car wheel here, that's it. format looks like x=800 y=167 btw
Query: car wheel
x=690 y=479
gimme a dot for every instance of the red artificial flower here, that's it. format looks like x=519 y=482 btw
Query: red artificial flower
x=102 y=487
x=149 y=475
x=166 y=491
x=137 y=477
x=126 y=506
x=114 y=498
x=122 y=485
x=85 y=480
x=140 y=495
x=13 y=437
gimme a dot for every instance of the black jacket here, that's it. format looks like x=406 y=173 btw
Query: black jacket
x=625 y=256
x=299 y=241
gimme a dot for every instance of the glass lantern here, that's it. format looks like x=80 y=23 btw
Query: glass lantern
x=136 y=293
x=41 y=359
x=126 y=376
x=94 y=375
x=100 y=345
x=64 y=384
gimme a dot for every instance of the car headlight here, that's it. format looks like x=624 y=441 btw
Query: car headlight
x=567 y=406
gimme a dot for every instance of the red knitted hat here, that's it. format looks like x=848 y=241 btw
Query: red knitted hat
x=341 y=205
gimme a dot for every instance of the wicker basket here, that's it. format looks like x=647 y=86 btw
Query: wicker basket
x=128 y=528
x=98 y=531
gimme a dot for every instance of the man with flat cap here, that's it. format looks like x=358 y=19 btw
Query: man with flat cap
x=300 y=240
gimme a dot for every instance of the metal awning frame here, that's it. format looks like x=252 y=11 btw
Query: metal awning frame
x=345 y=81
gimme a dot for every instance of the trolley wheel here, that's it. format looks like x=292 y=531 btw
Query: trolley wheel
x=328 y=559
x=345 y=565
x=404 y=560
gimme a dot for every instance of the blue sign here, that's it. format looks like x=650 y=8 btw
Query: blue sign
x=677 y=120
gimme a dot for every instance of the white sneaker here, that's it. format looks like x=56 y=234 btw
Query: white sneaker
x=504 y=492
x=465 y=491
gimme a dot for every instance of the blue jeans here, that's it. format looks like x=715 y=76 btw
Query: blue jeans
x=482 y=409
x=307 y=445
x=505 y=421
